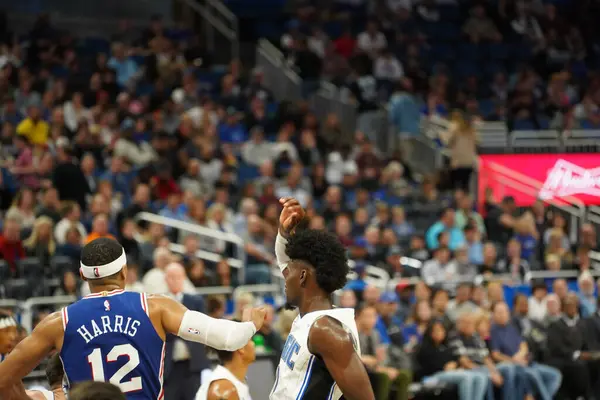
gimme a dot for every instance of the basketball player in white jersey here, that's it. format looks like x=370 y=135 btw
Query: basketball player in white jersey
x=228 y=380
x=8 y=334
x=321 y=357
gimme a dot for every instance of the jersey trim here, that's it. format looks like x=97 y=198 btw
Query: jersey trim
x=104 y=294
x=144 y=303
x=161 y=393
x=331 y=392
x=276 y=381
x=307 y=377
x=65 y=318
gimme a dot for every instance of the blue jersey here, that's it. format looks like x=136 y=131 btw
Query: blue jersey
x=109 y=337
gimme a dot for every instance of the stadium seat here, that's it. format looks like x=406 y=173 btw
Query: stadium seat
x=60 y=264
x=5 y=273
x=30 y=267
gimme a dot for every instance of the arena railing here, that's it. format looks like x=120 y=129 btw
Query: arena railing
x=238 y=243
x=218 y=18
x=279 y=78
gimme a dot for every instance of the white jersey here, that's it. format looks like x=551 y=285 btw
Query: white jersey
x=48 y=395
x=302 y=375
x=219 y=373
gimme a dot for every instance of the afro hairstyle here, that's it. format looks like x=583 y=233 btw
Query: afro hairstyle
x=325 y=253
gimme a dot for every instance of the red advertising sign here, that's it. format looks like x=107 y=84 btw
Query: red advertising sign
x=572 y=178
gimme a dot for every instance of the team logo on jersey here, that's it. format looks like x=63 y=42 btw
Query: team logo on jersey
x=193 y=331
x=96 y=273
x=106 y=305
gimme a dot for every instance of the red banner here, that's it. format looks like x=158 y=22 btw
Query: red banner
x=527 y=177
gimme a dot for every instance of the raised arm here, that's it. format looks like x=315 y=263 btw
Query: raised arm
x=195 y=326
x=31 y=351
x=290 y=218
x=335 y=345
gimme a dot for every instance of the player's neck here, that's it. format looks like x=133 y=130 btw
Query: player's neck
x=109 y=287
x=238 y=369
x=315 y=303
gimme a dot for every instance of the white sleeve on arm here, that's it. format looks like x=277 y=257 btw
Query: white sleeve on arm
x=282 y=258
x=220 y=334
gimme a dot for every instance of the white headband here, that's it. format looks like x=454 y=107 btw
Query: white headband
x=102 y=271
x=7 y=322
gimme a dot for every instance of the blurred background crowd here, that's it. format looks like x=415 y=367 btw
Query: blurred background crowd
x=141 y=134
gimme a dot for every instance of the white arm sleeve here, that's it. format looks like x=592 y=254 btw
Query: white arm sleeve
x=282 y=258
x=220 y=334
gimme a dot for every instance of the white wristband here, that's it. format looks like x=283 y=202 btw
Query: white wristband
x=219 y=334
x=282 y=258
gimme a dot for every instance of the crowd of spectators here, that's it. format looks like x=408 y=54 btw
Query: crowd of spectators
x=532 y=64
x=95 y=132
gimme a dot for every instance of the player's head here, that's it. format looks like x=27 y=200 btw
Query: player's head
x=96 y=391
x=244 y=356
x=318 y=263
x=55 y=372
x=8 y=332
x=103 y=262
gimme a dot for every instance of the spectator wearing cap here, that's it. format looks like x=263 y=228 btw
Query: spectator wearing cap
x=358 y=284
x=446 y=223
x=510 y=349
x=33 y=127
x=388 y=324
x=232 y=130
x=587 y=294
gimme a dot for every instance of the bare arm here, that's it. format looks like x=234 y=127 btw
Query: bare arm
x=222 y=390
x=31 y=351
x=329 y=340
x=16 y=392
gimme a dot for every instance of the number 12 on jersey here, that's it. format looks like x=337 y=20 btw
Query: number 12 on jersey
x=95 y=360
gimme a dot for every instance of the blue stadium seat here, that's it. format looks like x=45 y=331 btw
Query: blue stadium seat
x=464 y=69
x=524 y=125
x=449 y=12
x=247 y=173
x=486 y=107
x=470 y=51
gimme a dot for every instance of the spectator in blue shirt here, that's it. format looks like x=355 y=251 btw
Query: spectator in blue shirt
x=125 y=68
x=474 y=245
x=508 y=347
x=388 y=324
x=404 y=112
x=358 y=284
x=587 y=295
x=445 y=224
x=232 y=130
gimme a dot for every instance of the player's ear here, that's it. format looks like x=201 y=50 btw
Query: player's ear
x=124 y=273
x=303 y=277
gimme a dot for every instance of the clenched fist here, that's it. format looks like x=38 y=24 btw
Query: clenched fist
x=291 y=214
x=255 y=315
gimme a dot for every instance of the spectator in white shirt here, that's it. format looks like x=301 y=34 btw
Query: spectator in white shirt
x=293 y=187
x=537 y=302
x=372 y=40
x=133 y=284
x=318 y=42
x=75 y=112
x=387 y=67
x=257 y=150
x=154 y=280
x=71 y=214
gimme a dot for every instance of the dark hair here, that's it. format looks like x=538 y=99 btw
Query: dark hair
x=101 y=251
x=539 y=284
x=214 y=303
x=96 y=391
x=54 y=371
x=325 y=253
x=361 y=308
x=429 y=330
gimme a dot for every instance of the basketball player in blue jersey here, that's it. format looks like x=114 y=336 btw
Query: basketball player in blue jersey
x=321 y=357
x=119 y=337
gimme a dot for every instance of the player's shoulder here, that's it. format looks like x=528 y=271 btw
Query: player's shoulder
x=328 y=334
x=222 y=389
